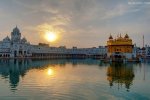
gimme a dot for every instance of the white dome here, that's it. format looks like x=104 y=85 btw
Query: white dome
x=16 y=31
x=24 y=40
x=15 y=35
x=7 y=39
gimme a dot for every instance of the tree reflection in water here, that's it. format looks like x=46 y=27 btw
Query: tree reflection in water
x=120 y=74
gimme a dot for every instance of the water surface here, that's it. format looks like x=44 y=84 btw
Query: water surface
x=76 y=79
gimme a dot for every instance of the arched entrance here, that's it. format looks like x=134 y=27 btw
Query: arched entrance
x=20 y=52
x=15 y=53
x=117 y=57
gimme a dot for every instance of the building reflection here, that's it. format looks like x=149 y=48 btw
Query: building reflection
x=15 y=69
x=120 y=74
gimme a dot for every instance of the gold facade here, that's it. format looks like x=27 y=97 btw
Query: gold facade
x=120 y=74
x=120 y=44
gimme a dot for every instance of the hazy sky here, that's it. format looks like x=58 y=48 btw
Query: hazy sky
x=82 y=23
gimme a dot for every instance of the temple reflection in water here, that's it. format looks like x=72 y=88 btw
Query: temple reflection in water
x=120 y=74
x=117 y=74
x=14 y=69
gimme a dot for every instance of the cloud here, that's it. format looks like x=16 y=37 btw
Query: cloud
x=119 y=10
x=48 y=27
x=81 y=22
x=60 y=20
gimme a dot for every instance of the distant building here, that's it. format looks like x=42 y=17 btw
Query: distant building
x=120 y=48
x=147 y=52
x=15 y=46
x=144 y=52
x=44 y=44
x=141 y=52
x=20 y=47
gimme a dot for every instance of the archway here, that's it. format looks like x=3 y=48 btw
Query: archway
x=15 y=53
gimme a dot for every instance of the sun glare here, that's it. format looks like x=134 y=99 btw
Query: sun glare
x=50 y=36
x=50 y=72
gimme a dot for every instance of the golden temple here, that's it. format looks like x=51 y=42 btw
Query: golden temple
x=120 y=47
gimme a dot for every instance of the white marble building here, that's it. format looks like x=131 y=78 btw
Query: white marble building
x=147 y=52
x=16 y=46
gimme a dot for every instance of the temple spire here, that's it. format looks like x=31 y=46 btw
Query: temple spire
x=126 y=36
x=110 y=37
x=143 y=41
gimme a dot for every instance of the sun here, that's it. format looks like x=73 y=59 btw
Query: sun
x=50 y=36
x=50 y=72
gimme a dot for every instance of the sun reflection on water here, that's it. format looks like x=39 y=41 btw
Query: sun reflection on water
x=50 y=72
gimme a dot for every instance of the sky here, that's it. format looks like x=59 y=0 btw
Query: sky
x=81 y=23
